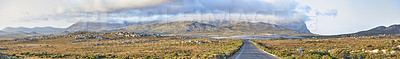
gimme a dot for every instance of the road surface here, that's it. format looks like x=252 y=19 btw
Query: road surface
x=251 y=51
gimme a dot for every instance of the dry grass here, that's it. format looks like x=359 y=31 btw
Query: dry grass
x=160 y=47
x=357 y=46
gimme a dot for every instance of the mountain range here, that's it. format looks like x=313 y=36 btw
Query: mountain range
x=36 y=29
x=173 y=27
x=183 y=27
x=191 y=27
x=94 y=26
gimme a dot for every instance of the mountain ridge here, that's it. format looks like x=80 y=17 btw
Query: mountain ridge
x=35 y=29
x=172 y=27
x=238 y=28
x=380 y=30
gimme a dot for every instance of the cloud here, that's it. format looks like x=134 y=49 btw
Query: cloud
x=108 y=5
x=183 y=10
x=251 y=6
x=329 y=12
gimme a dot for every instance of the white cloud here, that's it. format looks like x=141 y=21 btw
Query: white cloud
x=329 y=12
x=283 y=9
x=134 y=10
x=108 y=5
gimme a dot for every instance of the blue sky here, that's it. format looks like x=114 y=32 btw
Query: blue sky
x=331 y=16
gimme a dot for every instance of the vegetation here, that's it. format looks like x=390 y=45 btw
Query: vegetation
x=369 y=47
x=120 y=46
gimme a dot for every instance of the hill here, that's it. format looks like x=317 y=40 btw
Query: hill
x=295 y=25
x=380 y=30
x=260 y=28
x=36 y=29
x=94 y=26
x=2 y=32
x=191 y=27
x=16 y=34
x=100 y=26
x=174 y=27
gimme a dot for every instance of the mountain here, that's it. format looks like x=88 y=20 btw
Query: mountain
x=94 y=26
x=17 y=34
x=259 y=28
x=295 y=25
x=393 y=29
x=36 y=29
x=3 y=32
x=191 y=27
x=249 y=26
x=173 y=27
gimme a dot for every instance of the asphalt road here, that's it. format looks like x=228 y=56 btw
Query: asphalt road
x=251 y=51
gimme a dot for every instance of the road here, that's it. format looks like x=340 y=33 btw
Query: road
x=251 y=51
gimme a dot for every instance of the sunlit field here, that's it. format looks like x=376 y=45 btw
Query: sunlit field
x=119 y=46
x=371 y=47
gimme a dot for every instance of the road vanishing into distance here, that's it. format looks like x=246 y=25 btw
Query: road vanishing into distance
x=250 y=51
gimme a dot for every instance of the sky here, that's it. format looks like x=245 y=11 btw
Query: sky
x=325 y=17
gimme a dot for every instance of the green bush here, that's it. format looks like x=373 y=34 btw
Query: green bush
x=340 y=53
x=167 y=57
x=326 y=57
x=175 y=55
x=126 y=57
x=369 y=46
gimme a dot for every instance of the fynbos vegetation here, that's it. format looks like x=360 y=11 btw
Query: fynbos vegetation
x=119 y=45
x=369 y=47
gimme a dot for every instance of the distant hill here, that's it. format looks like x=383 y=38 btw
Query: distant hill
x=36 y=29
x=94 y=26
x=3 y=32
x=393 y=29
x=191 y=27
x=99 y=26
x=16 y=34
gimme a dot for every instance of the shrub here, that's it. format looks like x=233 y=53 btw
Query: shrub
x=369 y=46
x=340 y=53
x=326 y=57
x=167 y=57
x=314 y=56
x=126 y=57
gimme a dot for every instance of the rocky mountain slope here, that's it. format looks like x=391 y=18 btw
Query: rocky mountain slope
x=36 y=29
